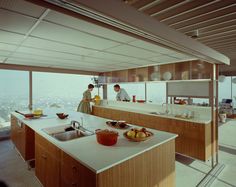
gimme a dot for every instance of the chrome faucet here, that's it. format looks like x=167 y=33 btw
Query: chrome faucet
x=73 y=123
x=77 y=125
x=166 y=111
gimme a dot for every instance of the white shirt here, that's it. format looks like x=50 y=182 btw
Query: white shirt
x=122 y=95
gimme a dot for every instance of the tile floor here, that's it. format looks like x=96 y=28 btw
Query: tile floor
x=188 y=172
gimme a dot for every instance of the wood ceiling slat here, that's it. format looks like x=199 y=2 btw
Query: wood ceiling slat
x=181 y=10
x=219 y=38
x=222 y=44
x=161 y=6
x=217 y=20
x=215 y=33
x=199 y=12
x=219 y=26
x=204 y=18
x=140 y=3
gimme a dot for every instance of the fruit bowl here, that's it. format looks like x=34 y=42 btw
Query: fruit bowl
x=107 y=137
x=138 y=135
x=62 y=115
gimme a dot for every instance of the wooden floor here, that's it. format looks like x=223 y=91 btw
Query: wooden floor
x=13 y=171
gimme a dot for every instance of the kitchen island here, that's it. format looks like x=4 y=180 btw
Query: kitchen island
x=194 y=134
x=84 y=162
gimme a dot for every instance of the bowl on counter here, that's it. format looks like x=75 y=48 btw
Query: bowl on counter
x=62 y=115
x=107 y=137
x=141 y=101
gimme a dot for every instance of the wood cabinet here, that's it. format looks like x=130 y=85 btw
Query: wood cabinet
x=23 y=138
x=194 y=139
x=47 y=162
x=75 y=174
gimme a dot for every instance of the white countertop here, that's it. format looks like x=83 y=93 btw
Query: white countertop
x=140 y=111
x=86 y=149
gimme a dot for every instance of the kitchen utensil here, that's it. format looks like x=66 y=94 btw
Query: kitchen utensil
x=25 y=115
x=155 y=76
x=117 y=124
x=167 y=76
x=107 y=137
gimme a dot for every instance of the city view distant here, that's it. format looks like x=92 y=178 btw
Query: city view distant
x=66 y=91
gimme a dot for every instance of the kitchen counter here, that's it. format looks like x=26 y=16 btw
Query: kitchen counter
x=86 y=150
x=143 y=109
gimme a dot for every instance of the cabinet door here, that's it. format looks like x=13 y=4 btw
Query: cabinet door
x=40 y=163
x=47 y=162
x=52 y=170
x=69 y=171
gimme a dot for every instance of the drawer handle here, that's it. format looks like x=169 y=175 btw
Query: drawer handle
x=44 y=157
x=74 y=168
x=74 y=184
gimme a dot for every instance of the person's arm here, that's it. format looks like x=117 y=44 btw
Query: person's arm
x=118 y=98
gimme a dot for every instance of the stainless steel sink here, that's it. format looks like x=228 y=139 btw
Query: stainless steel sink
x=158 y=113
x=66 y=132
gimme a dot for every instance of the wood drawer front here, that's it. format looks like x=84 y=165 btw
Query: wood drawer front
x=52 y=149
x=75 y=174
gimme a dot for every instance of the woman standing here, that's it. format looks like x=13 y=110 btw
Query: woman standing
x=84 y=105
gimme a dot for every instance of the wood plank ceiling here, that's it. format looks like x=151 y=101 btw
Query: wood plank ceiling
x=214 y=20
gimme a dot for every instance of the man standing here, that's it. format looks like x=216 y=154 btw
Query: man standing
x=121 y=93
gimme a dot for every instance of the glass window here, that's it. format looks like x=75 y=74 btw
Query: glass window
x=60 y=90
x=225 y=89
x=14 y=93
x=137 y=89
x=156 y=92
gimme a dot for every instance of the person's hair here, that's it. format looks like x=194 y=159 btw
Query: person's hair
x=90 y=86
x=117 y=86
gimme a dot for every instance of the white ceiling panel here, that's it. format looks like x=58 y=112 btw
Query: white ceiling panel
x=164 y=59
x=23 y=7
x=51 y=54
x=131 y=51
x=5 y=53
x=141 y=62
x=7 y=47
x=152 y=47
x=180 y=56
x=45 y=44
x=2 y=58
x=87 y=27
x=11 y=38
x=112 y=57
x=14 y=22
x=71 y=36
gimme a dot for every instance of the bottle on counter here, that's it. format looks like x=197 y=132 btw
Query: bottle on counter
x=134 y=98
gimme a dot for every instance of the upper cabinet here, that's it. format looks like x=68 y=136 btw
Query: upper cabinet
x=188 y=70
